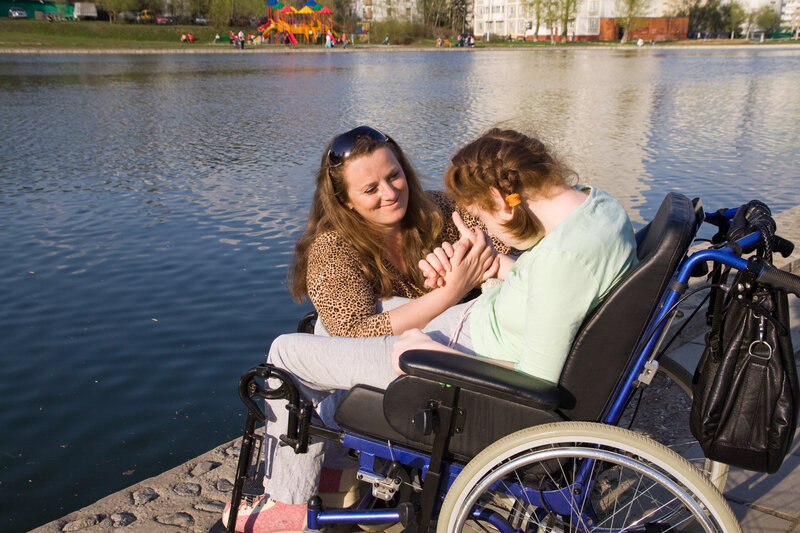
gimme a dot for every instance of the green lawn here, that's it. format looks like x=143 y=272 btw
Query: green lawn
x=93 y=34
x=104 y=35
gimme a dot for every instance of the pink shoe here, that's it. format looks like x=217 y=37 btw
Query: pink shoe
x=264 y=515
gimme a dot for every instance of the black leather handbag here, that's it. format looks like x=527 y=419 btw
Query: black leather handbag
x=745 y=389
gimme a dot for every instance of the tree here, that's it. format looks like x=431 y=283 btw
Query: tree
x=220 y=11
x=461 y=14
x=567 y=9
x=115 y=7
x=628 y=12
x=735 y=15
x=537 y=8
x=550 y=15
x=250 y=8
x=768 y=19
x=435 y=12
x=687 y=8
x=749 y=22
x=711 y=17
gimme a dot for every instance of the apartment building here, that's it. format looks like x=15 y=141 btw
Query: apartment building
x=379 y=10
x=516 y=18
x=790 y=14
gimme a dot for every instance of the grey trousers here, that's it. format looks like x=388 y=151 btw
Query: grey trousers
x=322 y=366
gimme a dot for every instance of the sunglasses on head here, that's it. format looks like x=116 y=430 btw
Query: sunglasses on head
x=343 y=144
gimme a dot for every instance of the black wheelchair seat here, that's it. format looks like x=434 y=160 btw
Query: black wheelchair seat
x=399 y=413
x=491 y=401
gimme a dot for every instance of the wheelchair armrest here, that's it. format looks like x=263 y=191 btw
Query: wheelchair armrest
x=481 y=376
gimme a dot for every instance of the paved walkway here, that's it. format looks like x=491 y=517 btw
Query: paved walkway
x=191 y=496
x=763 y=503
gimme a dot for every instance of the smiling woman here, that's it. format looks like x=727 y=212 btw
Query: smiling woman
x=377 y=190
x=370 y=224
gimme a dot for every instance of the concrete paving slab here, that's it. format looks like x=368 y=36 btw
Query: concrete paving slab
x=794 y=320
x=755 y=521
x=775 y=492
x=688 y=354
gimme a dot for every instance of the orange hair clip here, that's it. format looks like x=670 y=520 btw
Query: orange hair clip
x=513 y=199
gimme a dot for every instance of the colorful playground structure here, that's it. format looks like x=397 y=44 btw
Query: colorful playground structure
x=297 y=25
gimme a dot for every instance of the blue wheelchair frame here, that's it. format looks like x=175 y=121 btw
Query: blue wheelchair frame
x=561 y=500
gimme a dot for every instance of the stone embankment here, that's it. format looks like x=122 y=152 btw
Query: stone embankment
x=272 y=49
x=190 y=497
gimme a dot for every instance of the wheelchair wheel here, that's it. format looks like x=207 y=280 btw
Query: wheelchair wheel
x=716 y=472
x=527 y=482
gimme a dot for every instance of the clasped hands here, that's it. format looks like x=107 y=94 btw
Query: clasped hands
x=472 y=259
x=458 y=267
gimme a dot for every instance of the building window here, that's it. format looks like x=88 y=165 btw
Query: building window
x=594 y=8
x=498 y=9
x=510 y=10
x=594 y=25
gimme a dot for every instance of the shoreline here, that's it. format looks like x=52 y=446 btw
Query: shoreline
x=272 y=49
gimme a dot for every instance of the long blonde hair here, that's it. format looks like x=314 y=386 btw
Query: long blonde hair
x=511 y=162
x=420 y=227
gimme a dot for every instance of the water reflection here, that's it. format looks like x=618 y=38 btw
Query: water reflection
x=150 y=205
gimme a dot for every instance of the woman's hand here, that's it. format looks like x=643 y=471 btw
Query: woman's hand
x=438 y=263
x=470 y=265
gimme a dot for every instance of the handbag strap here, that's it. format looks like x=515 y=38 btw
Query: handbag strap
x=716 y=309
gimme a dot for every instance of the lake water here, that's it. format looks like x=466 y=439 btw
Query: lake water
x=149 y=204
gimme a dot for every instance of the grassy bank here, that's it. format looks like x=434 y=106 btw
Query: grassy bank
x=93 y=35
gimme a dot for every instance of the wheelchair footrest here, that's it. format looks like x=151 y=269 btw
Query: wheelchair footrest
x=318 y=517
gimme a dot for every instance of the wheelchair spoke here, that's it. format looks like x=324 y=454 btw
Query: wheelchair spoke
x=536 y=483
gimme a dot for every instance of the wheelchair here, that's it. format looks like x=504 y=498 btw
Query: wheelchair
x=460 y=444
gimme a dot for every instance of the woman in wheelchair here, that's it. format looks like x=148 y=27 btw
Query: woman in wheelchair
x=578 y=243
x=370 y=222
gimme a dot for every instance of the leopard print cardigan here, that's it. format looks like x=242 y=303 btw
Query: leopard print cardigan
x=344 y=299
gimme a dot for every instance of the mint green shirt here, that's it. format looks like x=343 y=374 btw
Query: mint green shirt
x=532 y=317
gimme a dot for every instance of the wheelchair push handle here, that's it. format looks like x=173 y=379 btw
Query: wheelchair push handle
x=754 y=216
x=782 y=246
x=779 y=279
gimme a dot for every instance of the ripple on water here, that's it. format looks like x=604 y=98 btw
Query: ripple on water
x=149 y=221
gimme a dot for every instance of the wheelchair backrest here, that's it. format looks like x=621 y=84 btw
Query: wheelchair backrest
x=609 y=337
